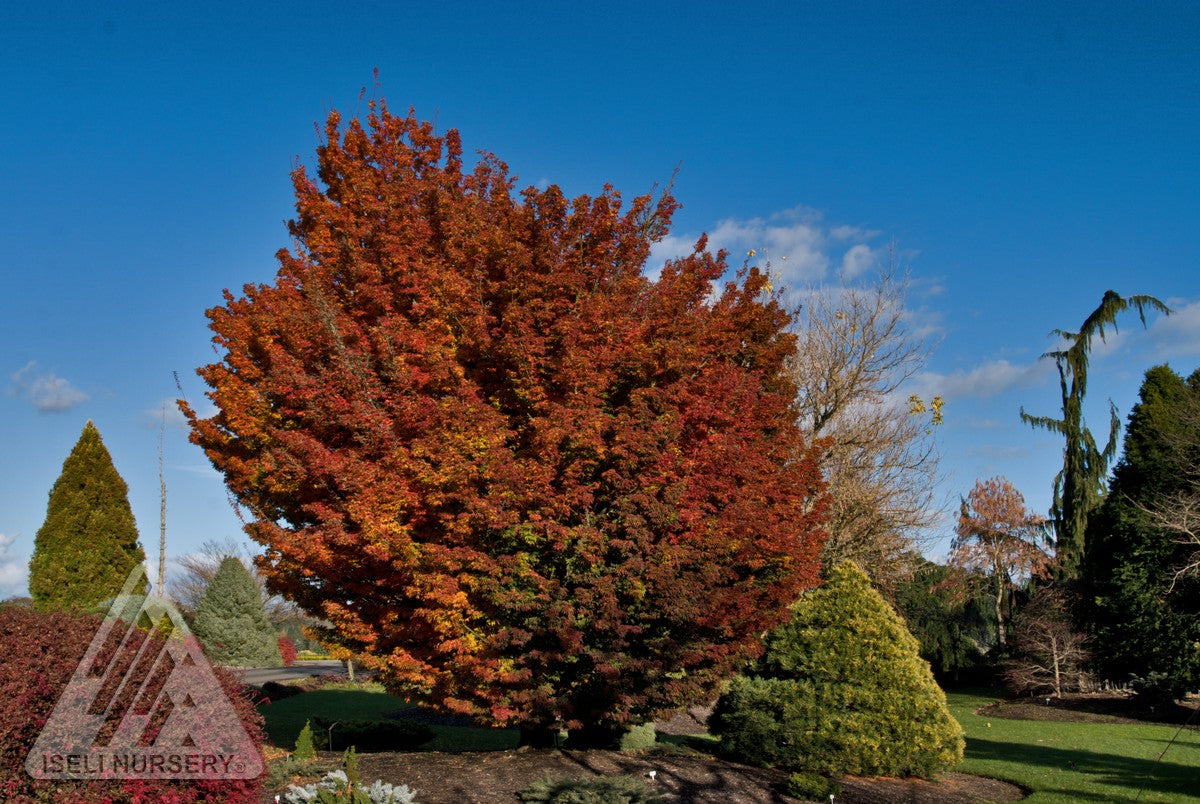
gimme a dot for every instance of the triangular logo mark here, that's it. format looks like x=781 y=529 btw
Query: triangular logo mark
x=144 y=703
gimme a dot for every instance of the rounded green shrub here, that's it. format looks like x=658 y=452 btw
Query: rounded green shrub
x=841 y=690
x=639 y=737
x=811 y=787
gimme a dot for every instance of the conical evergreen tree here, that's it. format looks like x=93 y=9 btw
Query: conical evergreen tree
x=231 y=621
x=1144 y=619
x=840 y=691
x=88 y=544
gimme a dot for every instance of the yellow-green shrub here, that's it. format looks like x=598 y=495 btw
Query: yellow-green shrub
x=841 y=690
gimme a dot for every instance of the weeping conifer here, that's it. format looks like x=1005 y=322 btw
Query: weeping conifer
x=1079 y=486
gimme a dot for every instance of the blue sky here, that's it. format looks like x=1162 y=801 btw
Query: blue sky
x=1024 y=157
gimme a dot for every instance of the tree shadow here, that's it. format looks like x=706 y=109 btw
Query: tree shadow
x=698 y=778
x=1127 y=772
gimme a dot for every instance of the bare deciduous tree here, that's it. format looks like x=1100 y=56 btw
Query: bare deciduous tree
x=854 y=352
x=1179 y=515
x=1050 y=653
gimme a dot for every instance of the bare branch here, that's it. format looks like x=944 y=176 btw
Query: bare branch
x=1178 y=514
x=854 y=352
x=197 y=569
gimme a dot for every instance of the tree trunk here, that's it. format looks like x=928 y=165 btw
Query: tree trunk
x=1057 y=672
x=1001 y=634
x=539 y=737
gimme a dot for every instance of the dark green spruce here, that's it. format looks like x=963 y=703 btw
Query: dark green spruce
x=1143 y=615
x=88 y=544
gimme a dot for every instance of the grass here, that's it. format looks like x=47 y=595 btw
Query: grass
x=368 y=701
x=1074 y=762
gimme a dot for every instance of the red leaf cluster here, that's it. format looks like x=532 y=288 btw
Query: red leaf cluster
x=519 y=478
x=287 y=650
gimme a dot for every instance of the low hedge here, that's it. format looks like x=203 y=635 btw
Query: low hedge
x=38 y=655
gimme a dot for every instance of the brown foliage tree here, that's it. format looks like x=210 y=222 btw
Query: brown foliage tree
x=520 y=479
x=998 y=535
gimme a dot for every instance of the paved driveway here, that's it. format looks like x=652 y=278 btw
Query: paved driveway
x=260 y=675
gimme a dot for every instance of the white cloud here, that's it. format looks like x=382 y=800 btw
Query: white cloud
x=12 y=572
x=799 y=246
x=856 y=261
x=167 y=412
x=48 y=392
x=987 y=380
x=669 y=248
x=852 y=233
x=1177 y=335
x=793 y=240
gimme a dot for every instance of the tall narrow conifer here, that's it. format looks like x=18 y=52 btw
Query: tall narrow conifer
x=88 y=544
x=1079 y=486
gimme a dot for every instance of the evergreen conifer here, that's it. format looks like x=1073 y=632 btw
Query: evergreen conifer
x=304 y=751
x=1144 y=619
x=88 y=544
x=840 y=691
x=231 y=621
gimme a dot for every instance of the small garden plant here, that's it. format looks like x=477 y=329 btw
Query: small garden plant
x=304 y=751
x=345 y=787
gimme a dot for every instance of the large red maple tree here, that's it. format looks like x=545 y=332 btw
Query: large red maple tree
x=517 y=477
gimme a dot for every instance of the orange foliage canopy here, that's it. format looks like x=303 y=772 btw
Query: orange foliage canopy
x=517 y=477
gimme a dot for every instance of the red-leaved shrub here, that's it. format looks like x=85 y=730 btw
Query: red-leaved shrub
x=287 y=650
x=38 y=655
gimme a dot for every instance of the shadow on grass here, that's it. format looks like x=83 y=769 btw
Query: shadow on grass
x=689 y=743
x=1129 y=773
x=284 y=719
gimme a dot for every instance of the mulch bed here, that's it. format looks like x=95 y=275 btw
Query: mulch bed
x=496 y=776
x=1098 y=707
x=684 y=775
x=688 y=776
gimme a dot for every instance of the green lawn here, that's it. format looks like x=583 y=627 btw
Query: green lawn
x=347 y=701
x=1073 y=762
